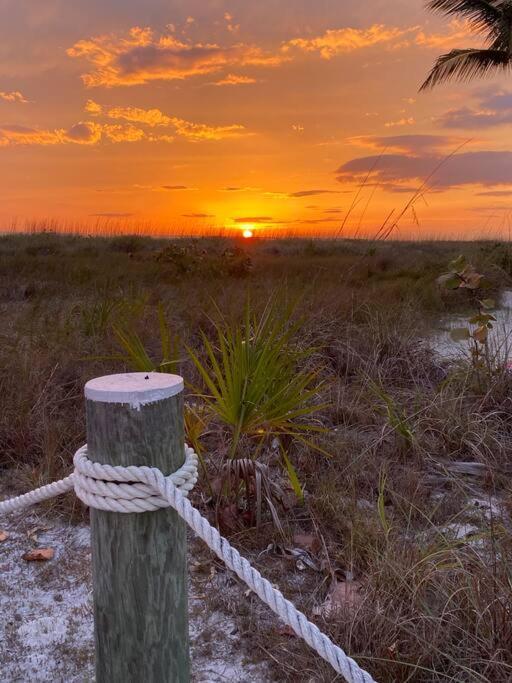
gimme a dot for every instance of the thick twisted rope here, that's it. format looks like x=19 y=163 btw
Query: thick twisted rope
x=109 y=487
x=142 y=489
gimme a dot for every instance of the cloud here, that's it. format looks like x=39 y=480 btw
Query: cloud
x=111 y=214
x=194 y=132
x=21 y=135
x=150 y=117
x=311 y=193
x=495 y=193
x=344 y=40
x=275 y=194
x=13 y=96
x=174 y=188
x=458 y=34
x=254 y=219
x=317 y=221
x=410 y=121
x=490 y=111
x=93 y=108
x=233 y=79
x=83 y=133
x=199 y=131
x=144 y=56
x=236 y=188
x=198 y=215
x=407 y=144
x=335 y=42
x=86 y=133
x=393 y=171
x=126 y=133
x=469 y=118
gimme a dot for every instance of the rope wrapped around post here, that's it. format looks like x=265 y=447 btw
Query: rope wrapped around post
x=141 y=489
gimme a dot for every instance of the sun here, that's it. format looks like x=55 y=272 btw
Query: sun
x=247 y=230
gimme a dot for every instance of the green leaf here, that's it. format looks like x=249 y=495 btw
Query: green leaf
x=481 y=319
x=292 y=475
x=488 y=304
x=460 y=334
x=458 y=264
x=449 y=280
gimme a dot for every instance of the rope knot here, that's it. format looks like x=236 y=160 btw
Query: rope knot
x=129 y=489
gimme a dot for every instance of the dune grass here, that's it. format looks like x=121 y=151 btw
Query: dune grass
x=406 y=483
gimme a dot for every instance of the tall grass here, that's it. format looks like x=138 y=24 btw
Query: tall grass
x=412 y=507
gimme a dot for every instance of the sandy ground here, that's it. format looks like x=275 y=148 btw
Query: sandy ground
x=46 y=624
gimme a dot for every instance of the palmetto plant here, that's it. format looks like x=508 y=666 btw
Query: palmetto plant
x=490 y=18
x=256 y=383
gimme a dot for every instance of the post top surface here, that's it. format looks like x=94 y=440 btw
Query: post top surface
x=134 y=388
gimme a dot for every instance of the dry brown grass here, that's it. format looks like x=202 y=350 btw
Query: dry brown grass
x=387 y=504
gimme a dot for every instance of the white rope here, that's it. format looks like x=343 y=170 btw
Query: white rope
x=141 y=489
x=108 y=487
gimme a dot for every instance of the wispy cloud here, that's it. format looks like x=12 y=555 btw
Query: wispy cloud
x=404 y=121
x=84 y=133
x=408 y=144
x=310 y=193
x=343 y=40
x=234 y=79
x=13 y=96
x=112 y=214
x=237 y=188
x=495 y=193
x=484 y=168
x=490 y=111
x=200 y=131
x=143 y=56
x=187 y=129
x=176 y=188
x=457 y=34
x=254 y=219
x=335 y=42
x=93 y=108
x=124 y=133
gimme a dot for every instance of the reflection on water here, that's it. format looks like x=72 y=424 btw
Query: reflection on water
x=500 y=337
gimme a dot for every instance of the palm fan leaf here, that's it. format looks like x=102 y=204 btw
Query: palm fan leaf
x=465 y=65
x=481 y=14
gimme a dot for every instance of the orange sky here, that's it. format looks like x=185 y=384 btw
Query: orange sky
x=196 y=113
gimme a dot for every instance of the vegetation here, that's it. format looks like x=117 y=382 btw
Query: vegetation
x=484 y=362
x=492 y=19
x=363 y=473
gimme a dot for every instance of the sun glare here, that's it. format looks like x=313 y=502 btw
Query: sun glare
x=247 y=230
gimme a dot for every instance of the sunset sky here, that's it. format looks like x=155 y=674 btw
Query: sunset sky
x=196 y=113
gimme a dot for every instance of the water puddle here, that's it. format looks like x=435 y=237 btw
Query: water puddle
x=500 y=337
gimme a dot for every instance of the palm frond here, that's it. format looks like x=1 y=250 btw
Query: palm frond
x=482 y=15
x=465 y=65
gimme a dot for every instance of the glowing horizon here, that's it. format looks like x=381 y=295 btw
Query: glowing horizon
x=199 y=117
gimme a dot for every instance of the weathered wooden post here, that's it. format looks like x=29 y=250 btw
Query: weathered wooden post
x=138 y=559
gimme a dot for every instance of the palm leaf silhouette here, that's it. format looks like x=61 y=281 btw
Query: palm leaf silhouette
x=491 y=18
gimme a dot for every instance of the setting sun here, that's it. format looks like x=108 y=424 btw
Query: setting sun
x=247 y=233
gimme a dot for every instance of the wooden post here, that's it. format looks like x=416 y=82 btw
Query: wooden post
x=139 y=559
